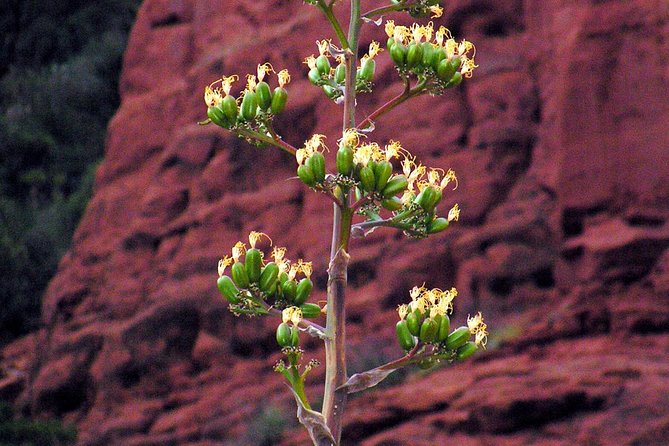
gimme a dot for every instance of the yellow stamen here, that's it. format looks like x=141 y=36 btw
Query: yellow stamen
x=254 y=236
x=454 y=213
x=284 y=77
x=292 y=315
x=264 y=70
x=226 y=83
x=238 y=250
x=251 y=82
x=323 y=47
x=222 y=264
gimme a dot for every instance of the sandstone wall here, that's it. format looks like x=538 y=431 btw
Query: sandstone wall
x=561 y=145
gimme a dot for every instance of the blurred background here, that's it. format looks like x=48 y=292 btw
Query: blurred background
x=115 y=207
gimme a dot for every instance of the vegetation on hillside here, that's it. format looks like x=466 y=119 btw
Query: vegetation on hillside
x=59 y=67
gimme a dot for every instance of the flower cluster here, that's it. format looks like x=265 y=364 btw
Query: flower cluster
x=425 y=321
x=255 y=286
x=440 y=62
x=332 y=79
x=256 y=105
x=366 y=168
x=423 y=8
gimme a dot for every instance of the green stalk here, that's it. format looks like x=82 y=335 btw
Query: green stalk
x=327 y=10
x=336 y=375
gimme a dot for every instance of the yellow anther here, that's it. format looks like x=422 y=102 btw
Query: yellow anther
x=454 y=213
x=284 y=77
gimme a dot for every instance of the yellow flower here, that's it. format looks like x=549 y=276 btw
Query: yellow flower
x=364 y=154
x=441 y=34
x=212 y=96
x=294 y=269
x=437 y=11
x=351 y=138
x=390 y=28
x=454 y=213
x=478 y=328
x=393 y=150
x=374 y=49
x=238 y=250
x=416 y=32
x=284 y=77
x=254 y=236
x=251 y=82
x=467 y=68
x=292 y=315
x=305 y=268
x=278 y=254
x=310 y=61
x=311 y=146
x=402 y=311
x=222 y=264
x=264 y=70
x=323 y=47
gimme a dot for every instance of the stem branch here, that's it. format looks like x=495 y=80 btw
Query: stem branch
x=327 y=10
x=408 y=93
x=275 y=140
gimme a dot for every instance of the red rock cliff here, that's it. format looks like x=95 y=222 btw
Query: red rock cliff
x=561 y=145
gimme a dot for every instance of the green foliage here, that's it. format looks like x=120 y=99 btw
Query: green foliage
x=24 y=432
x=58 y=89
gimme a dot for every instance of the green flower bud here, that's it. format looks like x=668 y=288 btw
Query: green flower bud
x=426 y=198
x=284 y=335
x=268 y=278
x=457 y=338
x=437 y=225
x=437 y=56
x=310 y=311
x=367 y=180
x=253 y=262
x=303 y=291
x=294 y=337
x=227 y=289
x=317 y=164
x=398 y=53
x=444 y=327
x=239 y=275
x=249 y=106
x=414 y=55
x=428 y=330
x=466 y=351
x=382 y=173
x=345 y=160
x=314 y=76
x=367 y=70
x=398 y=184
x=428 y=53
x=306 y=175
x=414 y=321
x=217 y=117
x=279 y=100
x=230 y=108
x=392 y=204
x=264 y=96
x=323 y=65
x=289 y=289
x=455 y=80
x=340 y=73
x=406 y=340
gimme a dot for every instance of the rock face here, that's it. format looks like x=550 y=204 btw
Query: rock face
x=561 y=146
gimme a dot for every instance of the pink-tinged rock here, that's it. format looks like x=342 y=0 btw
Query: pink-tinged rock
x=559 y=142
